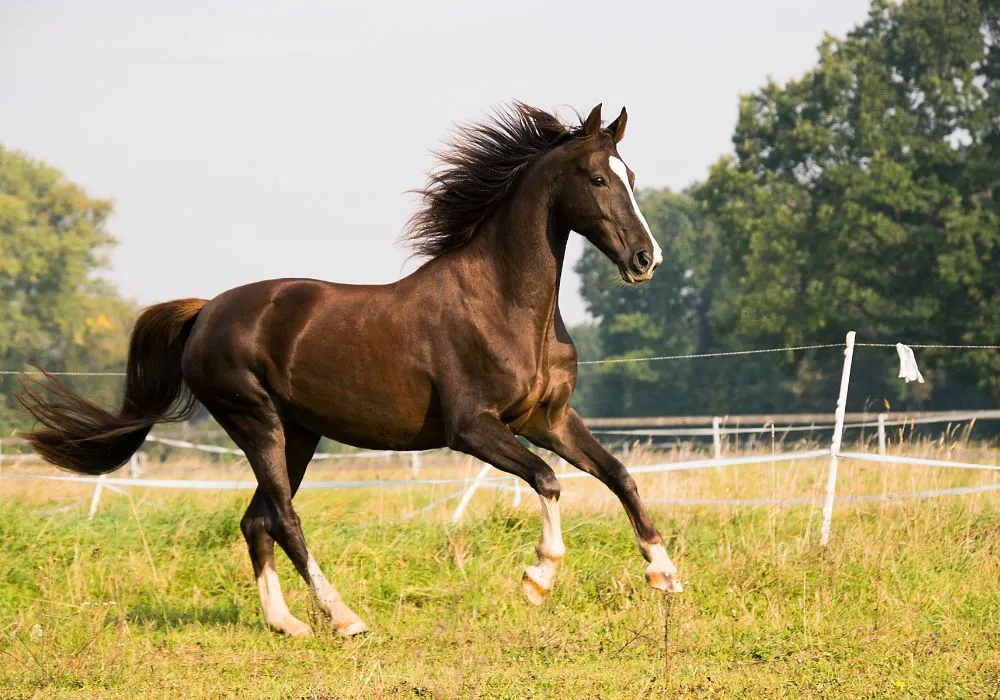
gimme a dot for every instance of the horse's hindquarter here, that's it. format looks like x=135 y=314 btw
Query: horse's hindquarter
x=340 y=360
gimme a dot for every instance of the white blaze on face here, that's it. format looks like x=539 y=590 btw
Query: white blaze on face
x=619 y=169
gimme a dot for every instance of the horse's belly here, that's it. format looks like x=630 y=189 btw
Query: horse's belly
x=386 y=416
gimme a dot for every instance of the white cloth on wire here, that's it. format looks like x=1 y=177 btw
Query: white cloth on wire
x=908 y=369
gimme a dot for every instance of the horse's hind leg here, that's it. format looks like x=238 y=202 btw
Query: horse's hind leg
x=299 y=448
x=278 y=455
x=261 y=545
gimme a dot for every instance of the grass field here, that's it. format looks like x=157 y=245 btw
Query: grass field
x=154 y=597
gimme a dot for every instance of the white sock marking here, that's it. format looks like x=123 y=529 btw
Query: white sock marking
x=659 y=561
x=344 y=619
x=551 y=549
x=661 y=572
x=619 y=169
x=271 y=600
x=326 y=595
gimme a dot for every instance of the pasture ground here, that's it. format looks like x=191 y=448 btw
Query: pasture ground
x=154 y=597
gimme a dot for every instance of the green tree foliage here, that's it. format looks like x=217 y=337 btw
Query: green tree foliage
x=866 y=195
x=53 y=311
x=668 y=315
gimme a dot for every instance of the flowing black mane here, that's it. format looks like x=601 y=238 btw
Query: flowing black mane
x=478 y=172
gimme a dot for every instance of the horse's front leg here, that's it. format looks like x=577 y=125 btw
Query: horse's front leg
x=569 y=438
x=484 y=436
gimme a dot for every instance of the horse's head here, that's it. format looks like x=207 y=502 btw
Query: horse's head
x=595 y=199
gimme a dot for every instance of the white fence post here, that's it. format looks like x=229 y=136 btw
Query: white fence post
x=133 y=465
x=415 y=464
x=838 y=434
x=716 y=437
x=517 y=492
x=881 y=433
x=95 y=500
x=469 y=493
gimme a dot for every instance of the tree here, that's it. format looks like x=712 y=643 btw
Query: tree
x=54 y=312
x=866 y=195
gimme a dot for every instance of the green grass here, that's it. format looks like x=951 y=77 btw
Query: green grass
x=155 y=597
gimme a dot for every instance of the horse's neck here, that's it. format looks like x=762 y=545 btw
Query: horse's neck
x=522 y=249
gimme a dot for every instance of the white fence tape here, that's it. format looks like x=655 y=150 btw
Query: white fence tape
x=806 y=501
x=482 y=479
x=218 y=449
x=234 y=484
x=714 y=432
x=705 y=432
x=917 y=461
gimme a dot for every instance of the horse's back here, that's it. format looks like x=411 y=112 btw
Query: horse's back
x=338 y=358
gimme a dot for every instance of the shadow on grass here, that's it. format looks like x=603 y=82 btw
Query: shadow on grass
x=172 y=616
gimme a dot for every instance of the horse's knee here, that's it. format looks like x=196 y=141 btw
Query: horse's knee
x=546 y=484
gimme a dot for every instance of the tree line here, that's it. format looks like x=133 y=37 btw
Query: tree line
x=864 y=195
x=55 y=311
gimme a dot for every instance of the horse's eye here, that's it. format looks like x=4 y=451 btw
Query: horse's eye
x=598 y=181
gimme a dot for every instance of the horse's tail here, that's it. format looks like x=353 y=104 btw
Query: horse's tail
x=83 y=437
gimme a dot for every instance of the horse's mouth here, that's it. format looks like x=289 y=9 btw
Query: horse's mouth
x=632 y=279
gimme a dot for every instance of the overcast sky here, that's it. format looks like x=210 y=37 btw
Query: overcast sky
x=242 y=140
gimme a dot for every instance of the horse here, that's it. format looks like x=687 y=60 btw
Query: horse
x=468 y=352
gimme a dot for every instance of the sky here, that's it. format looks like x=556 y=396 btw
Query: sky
x=242 y=140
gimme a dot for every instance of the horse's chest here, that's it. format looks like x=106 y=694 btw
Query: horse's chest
x=531 y=378
x=534 y=393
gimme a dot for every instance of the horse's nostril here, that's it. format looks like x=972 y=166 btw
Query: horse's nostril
x=642 y=261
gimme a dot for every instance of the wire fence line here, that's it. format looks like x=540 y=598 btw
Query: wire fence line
x=931 y=346
x=700 y=355
x=620 y=360
x=482 y=479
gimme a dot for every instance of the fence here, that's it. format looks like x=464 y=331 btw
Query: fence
x=782 y=424
x=717 y=431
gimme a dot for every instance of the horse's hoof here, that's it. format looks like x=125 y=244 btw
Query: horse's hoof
x=662 y=581
x=293 y=627
x=353 y=628
x=534 y=591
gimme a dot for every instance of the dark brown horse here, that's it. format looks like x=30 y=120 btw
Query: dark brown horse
x=468 y=352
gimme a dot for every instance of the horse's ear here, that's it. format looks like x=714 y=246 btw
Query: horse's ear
x=617 y=127
x=593 y=122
